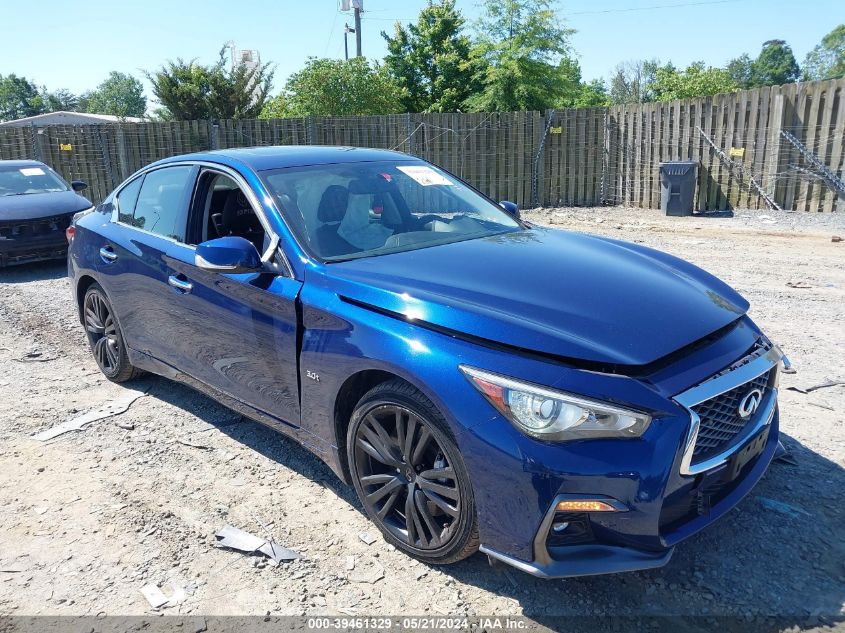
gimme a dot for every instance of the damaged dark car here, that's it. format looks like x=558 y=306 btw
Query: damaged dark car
x=36 y=209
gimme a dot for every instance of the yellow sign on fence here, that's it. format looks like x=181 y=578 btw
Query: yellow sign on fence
x=66 y=147
x=737 y=151
x=555 y=130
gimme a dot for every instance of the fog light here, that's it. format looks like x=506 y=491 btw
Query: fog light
x=586 y=506
x=560 y=527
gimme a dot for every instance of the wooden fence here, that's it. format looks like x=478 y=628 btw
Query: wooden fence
x=772 y=146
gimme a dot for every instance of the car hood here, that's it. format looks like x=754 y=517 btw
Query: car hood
x=40 y=205
x=555 y=292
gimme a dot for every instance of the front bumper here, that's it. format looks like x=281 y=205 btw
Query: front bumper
x=606 y=558
x=33 y=249
x=664 y=497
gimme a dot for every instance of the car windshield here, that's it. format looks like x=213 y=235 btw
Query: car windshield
x=18 y=181
x=352 y=210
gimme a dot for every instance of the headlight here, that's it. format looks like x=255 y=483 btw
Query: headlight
x=554 y=415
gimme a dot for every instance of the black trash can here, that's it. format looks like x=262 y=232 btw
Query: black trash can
x=677 y=186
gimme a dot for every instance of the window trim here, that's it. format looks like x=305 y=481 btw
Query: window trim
x=275 y=242
x=115 y=217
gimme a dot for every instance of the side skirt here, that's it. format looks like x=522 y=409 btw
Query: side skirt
x=327 y=453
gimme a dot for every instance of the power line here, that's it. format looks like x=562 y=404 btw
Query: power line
x=603 y=11
x=656 y=6
x=331 y=33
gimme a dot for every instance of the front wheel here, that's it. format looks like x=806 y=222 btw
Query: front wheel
x=409 y=475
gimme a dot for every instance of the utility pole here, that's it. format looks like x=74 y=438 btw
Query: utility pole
x=357 y=9
x=346 y=32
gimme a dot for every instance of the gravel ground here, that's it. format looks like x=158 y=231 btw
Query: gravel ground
x=92 y=516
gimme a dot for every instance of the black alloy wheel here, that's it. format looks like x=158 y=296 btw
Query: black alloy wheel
x=104 y=336
x=409 y=475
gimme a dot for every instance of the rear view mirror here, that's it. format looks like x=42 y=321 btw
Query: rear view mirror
x=511 y=208
x=230 y=254
x=78 y=185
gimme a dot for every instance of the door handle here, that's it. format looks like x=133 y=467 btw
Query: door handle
x=181 y=285
x=107 y=254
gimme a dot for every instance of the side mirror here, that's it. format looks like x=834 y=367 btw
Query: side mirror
x=230 y=254
x=78 y=185
x=511 y=208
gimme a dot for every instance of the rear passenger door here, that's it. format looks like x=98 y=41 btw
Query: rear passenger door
x=152 y=216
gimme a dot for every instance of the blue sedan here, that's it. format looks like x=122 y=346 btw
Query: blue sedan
x=567 y=404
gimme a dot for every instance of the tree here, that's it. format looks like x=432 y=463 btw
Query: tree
x=430 y=60
x=334 y=87
x=741 y=71
x=632 y=82
x=60 y=101
x=189 y=91
x=827 y=60
x=592 y=95
x=696 y=81
x=520 y=44
x=19 y=98
x=775 y=65
x=577 y=94
x=120 y=95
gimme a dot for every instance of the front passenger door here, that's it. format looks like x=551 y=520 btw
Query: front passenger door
x=235 y=332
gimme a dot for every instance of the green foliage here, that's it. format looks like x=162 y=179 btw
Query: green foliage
x=697 y=80
x=775 y=65
x=120 y=95
x=19 y=98
x=577 y=94
x=188 y=90
x=632 y=82
x=741 y=71
x=518 y=53
x=592 y=95
x=827 y=60
x=61 y=101
x=329 y=87
x=430 y=60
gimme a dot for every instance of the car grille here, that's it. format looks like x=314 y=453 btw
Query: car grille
x=720 y=422
x=20 y=229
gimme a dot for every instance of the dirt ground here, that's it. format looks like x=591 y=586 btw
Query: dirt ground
x=94 y=515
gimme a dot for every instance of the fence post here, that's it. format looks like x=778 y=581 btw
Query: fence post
x=36 y=145
x=310 y=132
x=605 y=161
x=409 y=133
x=535 y=168
x=213 y=140
x=106 y=158
x=772 y=160
x=122 y=157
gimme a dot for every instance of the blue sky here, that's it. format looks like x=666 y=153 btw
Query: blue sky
x=75 y=45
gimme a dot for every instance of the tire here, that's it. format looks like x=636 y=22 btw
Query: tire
x=104 y=336
x=423 y=476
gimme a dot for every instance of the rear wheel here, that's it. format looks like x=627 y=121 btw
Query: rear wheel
x=409 y=475
x=105 y=337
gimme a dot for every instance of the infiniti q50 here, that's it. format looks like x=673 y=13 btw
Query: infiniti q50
x=569 y=404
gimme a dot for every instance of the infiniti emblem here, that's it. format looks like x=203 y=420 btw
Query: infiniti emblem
x=749 y=403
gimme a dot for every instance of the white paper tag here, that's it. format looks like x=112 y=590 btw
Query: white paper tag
x=32 y=171
x=424 y=175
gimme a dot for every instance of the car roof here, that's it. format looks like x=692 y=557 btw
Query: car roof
x=280 y=156
x=14 y=164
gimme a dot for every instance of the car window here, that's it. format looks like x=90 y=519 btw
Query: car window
x=20 y=181
x=160 y=208
x=126 y=199
x=363 y=209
